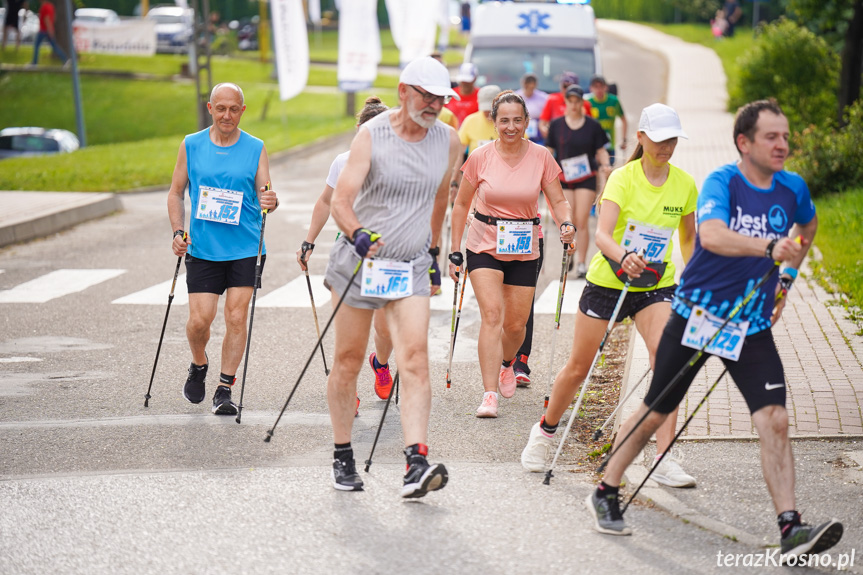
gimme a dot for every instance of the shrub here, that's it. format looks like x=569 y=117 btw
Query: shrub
x=830 y=160
x=793 y=65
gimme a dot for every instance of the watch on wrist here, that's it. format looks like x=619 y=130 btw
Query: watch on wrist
x=768 y=253
x=180 y=233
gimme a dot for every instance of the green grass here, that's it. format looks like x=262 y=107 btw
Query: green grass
x=840 y=229
x=728 y=49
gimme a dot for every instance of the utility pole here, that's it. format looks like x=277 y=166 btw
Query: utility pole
x=201 y=56
x=76 y=83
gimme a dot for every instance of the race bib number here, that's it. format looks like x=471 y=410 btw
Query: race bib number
x=387 y=279
x=532 y=131
x=575 y=168
x=514 y=237
x=702 y=325
x=223 y=206
x=654 y=240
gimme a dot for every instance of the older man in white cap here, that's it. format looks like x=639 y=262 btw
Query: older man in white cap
x=389 y=202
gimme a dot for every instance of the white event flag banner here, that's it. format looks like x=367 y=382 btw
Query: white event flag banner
x=413 y=25
x=291 y=45
x=315 y=11
x=129 y=37
x=359 y=45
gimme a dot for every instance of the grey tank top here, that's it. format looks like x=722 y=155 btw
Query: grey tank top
x=397 y=198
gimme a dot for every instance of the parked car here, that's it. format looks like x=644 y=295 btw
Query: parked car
x=27 y=21
x=97 y=16
x=247 y=32
x=174 y=28
x=17 y=142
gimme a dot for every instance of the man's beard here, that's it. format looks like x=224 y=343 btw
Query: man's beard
x=417 y=116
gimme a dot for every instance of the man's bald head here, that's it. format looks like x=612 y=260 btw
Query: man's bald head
x=228 y=86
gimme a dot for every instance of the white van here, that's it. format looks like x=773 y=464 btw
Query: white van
x=510 y=39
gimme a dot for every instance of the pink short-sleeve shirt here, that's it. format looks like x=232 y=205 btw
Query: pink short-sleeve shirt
x=509 y=192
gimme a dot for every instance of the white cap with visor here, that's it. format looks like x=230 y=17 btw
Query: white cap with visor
x=660 y=122
x=430 y=75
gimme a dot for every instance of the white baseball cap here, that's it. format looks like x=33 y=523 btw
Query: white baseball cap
x=428 y=74
x=660 y=122
x=486 y=97
x=466 y=73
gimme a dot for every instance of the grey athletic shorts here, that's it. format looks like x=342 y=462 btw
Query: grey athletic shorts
x=340 y=268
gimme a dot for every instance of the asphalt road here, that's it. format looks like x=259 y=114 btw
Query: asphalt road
x=92 y=482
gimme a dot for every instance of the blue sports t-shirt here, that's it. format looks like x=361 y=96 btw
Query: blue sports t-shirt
x=223 y=172
x=718 y=283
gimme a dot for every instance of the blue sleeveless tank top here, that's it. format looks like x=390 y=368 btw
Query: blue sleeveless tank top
x=225 y=222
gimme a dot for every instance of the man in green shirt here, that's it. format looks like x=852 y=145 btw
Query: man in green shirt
x=605 y=108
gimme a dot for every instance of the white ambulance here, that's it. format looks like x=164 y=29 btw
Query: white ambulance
x=510 y=39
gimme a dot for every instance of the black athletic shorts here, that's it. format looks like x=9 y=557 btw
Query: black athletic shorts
x=205 y=276
x=758 y=373
x=597 y=301
x=515 y=272
x=587 y=184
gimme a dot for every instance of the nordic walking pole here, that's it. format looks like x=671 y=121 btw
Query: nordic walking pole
x=692 y=361
x=561 y=288
x=455 y=329
x=164 y=323
x=306 y=247
x=682 y=428
x=252 y=314
x=272 y=430
x=452 y=327
x=598 y=433
x=586 y=382
x=381 y=424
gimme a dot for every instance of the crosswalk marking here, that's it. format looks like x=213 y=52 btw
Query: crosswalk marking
x=296 y=293
x=158 y=294
x=547 y=302
x=57 y=284
x=443 y=302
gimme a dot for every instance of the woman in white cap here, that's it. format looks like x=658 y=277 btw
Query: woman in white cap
x=506 y=177
x=642 y=204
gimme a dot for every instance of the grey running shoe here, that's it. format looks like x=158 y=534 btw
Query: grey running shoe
x=807 y=540
x=345 y=476
x=581 y=271
x=195 y=389
x=422 y=478
x=222 y=404
x=606 y=514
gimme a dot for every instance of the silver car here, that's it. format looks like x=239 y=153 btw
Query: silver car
x=18 y=142
x=174 y=28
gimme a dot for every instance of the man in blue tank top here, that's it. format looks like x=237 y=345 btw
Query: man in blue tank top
x=748 y=213
x=226 y=170
x=389 y=202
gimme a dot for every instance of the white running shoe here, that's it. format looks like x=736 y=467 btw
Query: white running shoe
x=488 y=407
x=671 y=474
x=538 y=451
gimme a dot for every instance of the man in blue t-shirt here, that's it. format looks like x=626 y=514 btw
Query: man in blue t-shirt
x=748 y=213
x=227 y=171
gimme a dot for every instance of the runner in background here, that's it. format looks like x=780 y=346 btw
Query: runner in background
x=535 y=100
x=605 y=108
x=555 y=105
x=578 y=142
x=320 y=214
x=467 y=93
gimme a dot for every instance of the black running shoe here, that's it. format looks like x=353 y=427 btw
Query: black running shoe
x=222 y=404
x=805 y=539
x=345 y=476
x=422 y=478
x=194 y=391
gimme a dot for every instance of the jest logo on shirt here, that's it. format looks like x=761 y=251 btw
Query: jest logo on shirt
x=757 y=226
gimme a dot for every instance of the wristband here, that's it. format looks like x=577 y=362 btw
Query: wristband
x=457 y=259
x=179 y=233
x=566 y=223
x=435 y=251
x=306 y=248
x=624 y=257
x=792 y=272
x=768 y=253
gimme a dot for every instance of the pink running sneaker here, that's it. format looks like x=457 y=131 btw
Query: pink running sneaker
x=506 y=381
x=488 y=407
x=383 y=379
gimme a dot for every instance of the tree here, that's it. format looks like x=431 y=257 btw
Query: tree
x=840 y=22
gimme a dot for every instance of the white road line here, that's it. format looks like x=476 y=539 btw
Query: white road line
x=547 y=302
x=158 y=294
x=296 y=294
x=443 y=302
x=57 y=284
x=19 y=359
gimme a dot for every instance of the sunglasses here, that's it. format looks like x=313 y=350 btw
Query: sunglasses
x=430 y=98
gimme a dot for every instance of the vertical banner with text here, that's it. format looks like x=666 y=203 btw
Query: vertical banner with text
x=413 y=25
x=359 y=45
x=291 y=46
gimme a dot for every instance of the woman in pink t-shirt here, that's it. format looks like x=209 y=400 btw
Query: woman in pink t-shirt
x=506 y=176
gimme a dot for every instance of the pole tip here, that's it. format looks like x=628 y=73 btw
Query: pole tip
x=147 y=400
x=368 y=464
x=597 y=434
x=239 y=416
x=548 y=476
x=269 y=436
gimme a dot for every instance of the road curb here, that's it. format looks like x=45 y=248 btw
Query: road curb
x=52 y=220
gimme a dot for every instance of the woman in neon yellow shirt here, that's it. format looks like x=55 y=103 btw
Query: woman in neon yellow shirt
x=643 y=203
